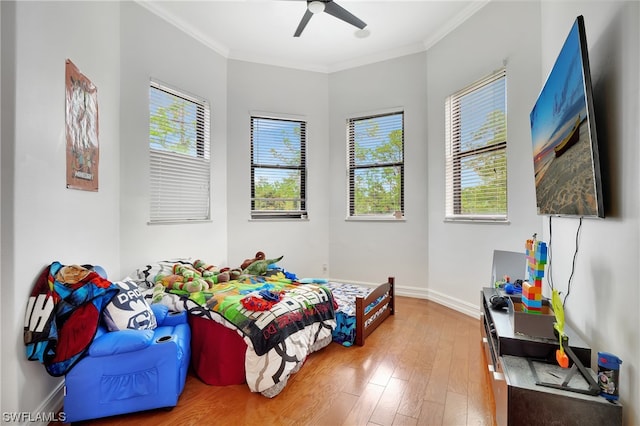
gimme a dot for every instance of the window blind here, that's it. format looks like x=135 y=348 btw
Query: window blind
x=278 y=168
x=476 y=155
x=376 y=164
x=179 y=150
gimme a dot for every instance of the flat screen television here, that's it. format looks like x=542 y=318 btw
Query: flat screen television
x=563 y=131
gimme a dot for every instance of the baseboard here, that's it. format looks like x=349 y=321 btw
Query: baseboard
x=50 y=409
x=422 y=293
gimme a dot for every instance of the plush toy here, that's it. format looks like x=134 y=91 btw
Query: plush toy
x=259 y=256
x=203 y=267
x=234 y=274
x=195 y=285
x=210 y=273
x=223 y=277
x=259 y=267
x=228 y=274
x=185 y=271
x=158 y=293
x=172 y=281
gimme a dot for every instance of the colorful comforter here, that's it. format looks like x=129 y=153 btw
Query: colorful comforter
x=296 y=307
x=281 y=322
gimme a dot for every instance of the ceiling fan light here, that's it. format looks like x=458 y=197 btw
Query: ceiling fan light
x=316 y=6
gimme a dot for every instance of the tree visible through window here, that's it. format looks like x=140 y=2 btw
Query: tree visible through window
x=476 y=150
x=278 y=168
x=179 y=155
x=376 y=165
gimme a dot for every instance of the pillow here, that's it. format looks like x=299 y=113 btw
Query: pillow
x=129 y=309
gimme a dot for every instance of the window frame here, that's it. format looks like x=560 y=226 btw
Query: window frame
x=192 y=184
x=352 y=167
x=287 y=214
x=455 y=154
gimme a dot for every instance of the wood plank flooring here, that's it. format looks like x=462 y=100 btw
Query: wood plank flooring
x=422 y=366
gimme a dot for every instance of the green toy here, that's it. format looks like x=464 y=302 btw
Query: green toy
x=195 y=285
x=558 y=309
x=158 y=293
x=259 y=267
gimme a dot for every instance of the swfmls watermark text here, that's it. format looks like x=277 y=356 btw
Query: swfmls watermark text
x=28 y=417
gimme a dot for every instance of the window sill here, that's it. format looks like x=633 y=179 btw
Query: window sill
x=374 y=219
x=179 y=222
x=279 y=219
x=485 y=221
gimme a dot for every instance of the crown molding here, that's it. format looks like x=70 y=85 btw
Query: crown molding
x=185 y=27
x=454 y=23
x=223 y=50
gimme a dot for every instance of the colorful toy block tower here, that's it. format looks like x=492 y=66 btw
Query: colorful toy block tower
x=532 y=289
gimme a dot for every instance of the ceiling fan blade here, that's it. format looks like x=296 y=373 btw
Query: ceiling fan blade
x=303 y=22
x=339 y=12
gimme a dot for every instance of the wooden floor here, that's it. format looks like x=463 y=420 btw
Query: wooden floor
x=423 y=366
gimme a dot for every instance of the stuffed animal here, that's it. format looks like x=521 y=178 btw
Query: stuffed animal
x=195 y=285
x=158 y=293
x=259 y=267
x=223 y=277
x=228 y=274
x=259 y=256
x=205 y=269
x=185 y=271
x=235 y=274
x=201 y=266
x=172 y=281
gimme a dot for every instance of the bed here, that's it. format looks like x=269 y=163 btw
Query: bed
x=263 y=348
x=361 y=309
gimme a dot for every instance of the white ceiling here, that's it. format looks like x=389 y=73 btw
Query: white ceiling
x=262 y=30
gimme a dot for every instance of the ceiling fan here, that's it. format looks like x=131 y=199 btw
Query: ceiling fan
x=333 y=9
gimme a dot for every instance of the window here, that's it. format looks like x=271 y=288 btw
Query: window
x=278 y=168
x=376 y=165
x=476 y=151
x=179 y=156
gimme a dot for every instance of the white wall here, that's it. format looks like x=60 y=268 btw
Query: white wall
x=370 y=251
x=604 y=299
x=42 y=220
x=501 y=32
x=263 y=88
x=152 y=48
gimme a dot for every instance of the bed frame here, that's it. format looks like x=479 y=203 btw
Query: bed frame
x=367 y=323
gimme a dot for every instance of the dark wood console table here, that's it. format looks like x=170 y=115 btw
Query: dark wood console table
x=515 y=361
